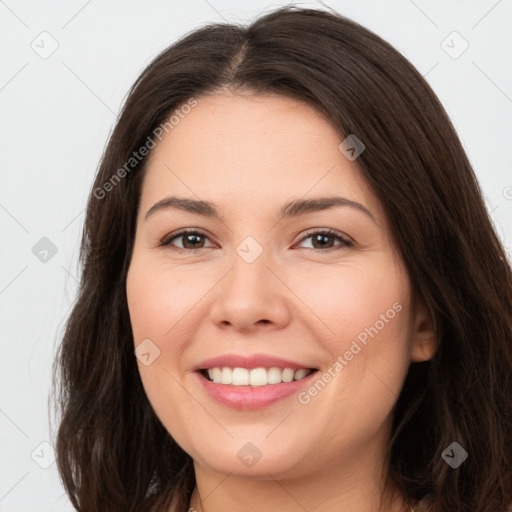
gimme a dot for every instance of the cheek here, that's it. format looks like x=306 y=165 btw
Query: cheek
x=158 y=306
x=365 y=321
x=368 y=310
x=159 y=300
x=352 y=300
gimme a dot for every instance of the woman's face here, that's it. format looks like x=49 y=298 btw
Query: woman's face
x=255 y=282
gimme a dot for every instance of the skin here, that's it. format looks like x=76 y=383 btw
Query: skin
x=250 y=154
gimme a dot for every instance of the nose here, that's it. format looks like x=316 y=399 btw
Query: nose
x=251 y=296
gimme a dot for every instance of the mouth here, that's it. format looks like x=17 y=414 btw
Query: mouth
x=253 y=389
x=254 y=377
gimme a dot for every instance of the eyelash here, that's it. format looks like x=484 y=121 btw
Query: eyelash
x=166 y=242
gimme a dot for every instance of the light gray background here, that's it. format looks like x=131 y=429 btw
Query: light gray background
x=57 y=112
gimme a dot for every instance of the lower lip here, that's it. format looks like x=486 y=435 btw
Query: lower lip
x=252 y=397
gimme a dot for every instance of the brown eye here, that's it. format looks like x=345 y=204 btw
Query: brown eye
x=190 y=240
x=325 y=240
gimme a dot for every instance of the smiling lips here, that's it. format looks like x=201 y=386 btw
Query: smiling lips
x=253 y=381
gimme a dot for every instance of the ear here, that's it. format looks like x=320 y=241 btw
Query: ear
x=424 y=339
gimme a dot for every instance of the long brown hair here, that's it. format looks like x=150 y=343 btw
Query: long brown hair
x=113 y=452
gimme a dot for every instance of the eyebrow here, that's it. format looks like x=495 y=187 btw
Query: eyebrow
x=291 y=209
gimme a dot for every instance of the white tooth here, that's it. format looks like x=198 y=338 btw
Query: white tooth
x=226 y=376
x=258 y=377
x=255 y=377
x=240 y=377
x=216 y=375
x=274 y=376
x=288 y=374
x=300 y=374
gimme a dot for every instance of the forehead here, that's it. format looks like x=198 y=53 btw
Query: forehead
x=246 y=150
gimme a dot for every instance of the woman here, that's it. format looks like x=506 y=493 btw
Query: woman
x=292 y=295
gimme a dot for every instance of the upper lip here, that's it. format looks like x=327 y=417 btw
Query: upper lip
x=249 y=362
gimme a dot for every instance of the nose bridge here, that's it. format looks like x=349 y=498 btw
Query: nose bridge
x=250 y=268
x=250 y=250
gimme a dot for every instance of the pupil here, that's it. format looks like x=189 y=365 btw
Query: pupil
x=318 y=238
x=190 y=237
